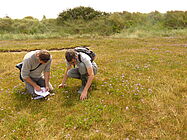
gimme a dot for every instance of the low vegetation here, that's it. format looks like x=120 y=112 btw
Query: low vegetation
x=87 y=22
x=138 y=93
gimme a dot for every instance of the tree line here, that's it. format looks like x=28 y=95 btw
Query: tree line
x=86 y=20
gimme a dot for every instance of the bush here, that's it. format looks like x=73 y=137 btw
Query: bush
x=155 y=17
x=79 y=13
x=86 y=20
x=6 y=24
x=176 y=19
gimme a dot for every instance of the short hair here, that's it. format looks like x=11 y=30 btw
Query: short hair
x=44 y=55
x=70 y=54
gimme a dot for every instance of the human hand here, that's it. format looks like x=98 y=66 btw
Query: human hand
x=83 y=95
x=46 y=88
x=37 y=88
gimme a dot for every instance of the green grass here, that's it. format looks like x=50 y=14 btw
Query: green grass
x=133 y=32
x=139 y=92
x=147 y=32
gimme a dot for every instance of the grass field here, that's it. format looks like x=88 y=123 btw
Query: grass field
x=140 y=92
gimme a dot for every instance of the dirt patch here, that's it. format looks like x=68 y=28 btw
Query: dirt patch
x=51 y=50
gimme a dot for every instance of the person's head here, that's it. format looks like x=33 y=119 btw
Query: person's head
x=43 y=56
x=71 y=56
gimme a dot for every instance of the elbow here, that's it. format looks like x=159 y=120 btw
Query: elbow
x=24 y=76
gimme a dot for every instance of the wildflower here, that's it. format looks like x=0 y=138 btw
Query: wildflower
x=68 y=136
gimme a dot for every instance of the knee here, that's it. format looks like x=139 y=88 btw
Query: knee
x=30 y=90
x=82 y=69
x=73 y=74
x=69 y=73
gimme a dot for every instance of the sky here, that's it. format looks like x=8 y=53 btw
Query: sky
x=18 y=9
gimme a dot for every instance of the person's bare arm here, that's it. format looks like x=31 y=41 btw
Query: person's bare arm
x=89 y=82
x=46 y=78
x=29 y=80
x=64 y=78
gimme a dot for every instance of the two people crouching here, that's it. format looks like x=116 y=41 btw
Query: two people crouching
x=36 y=71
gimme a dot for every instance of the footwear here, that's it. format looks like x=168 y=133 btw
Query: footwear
x=38 y=97
x=81 y=90
x=84 y=81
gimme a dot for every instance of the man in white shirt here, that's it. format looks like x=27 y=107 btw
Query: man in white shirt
x=85 y=70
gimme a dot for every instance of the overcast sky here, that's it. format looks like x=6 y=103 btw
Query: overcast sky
x=51 y=8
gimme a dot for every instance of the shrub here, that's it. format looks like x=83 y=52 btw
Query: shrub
x=6 y=24
x=176 y=19
x=84 y=13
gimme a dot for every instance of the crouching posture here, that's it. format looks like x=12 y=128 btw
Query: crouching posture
x=36 y=71
x=85 y=70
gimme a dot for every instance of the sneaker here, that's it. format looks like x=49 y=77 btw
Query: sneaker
x=81 y=90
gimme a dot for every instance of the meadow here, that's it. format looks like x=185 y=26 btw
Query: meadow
x=139 y=92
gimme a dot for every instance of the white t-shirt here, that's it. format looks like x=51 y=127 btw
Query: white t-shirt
x=84 y=59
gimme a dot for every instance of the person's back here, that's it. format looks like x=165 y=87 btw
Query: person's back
x=30 y=62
